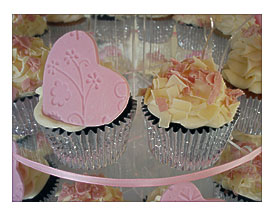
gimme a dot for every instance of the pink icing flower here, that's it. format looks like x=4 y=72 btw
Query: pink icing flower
x=34 y=64
x=60 y=93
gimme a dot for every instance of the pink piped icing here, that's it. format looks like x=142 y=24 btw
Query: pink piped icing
x=76 y=88
x=184 y=192
x=17 y=183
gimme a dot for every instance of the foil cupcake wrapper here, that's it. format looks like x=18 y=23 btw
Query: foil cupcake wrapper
x=229 y=196
x=188 y=150
x=94 y=149
x=156 y=31
x=193 y=38
x=23 y=122
x=250 y=121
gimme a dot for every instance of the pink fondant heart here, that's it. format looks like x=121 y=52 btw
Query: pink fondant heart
x=76 y=89
x=184 y=192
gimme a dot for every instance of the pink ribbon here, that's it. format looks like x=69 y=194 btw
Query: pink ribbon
x=151 y=182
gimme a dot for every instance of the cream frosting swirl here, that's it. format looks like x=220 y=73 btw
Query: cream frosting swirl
x=228 y=23
x=29 y=55
x=191 y=93
x=244 y=65
x=245 y=180
x=28 y=25
x=65 y=18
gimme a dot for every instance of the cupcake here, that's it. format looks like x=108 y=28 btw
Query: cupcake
x=245 y=181
x=28 y=25
x=83 y=192
x=29 y=55
x=243 y=70
x=36 y=185
x=181 y=192
x=189 y=114
x=85 y=109
x=155 y=42
x=64 y=18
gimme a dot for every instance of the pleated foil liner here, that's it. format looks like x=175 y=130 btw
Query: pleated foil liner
x=187 y=150
x=250 y=121
x=93 y=149
x=23 y=122
x=193 y=38
x=229 y=196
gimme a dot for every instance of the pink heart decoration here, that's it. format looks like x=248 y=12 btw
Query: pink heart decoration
x=184 y=192
x=76 y=88
x=17 y=184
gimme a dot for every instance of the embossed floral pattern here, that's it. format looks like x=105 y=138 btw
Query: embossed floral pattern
x=60 y=93
x=70 y=55
x=52 y=67
x=94 y=80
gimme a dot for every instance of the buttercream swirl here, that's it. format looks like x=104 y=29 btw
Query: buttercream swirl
x=228 y=23
x=29 y=55
x=245 y=180
x=191 y=93
x=28 y=25
x=65 y=18
x=244 y=65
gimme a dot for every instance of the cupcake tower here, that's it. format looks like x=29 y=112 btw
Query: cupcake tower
x=86 y=110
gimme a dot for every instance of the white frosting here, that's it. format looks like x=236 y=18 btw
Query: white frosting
x=49 y=122
x=228 y=23
x=244 y=65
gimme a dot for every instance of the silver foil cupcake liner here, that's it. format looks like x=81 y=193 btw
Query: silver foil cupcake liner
x=229 y=196
x=193 y=38
x=23 y=122
x=187 y=149
x=250 y=121
x=154 y=31
x=91 y=149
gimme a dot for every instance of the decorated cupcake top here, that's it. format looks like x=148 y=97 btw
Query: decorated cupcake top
x=28 y=25
x=191 y=93
x=29 y=56
x=244 y=65
x=228 y=23
x=82 y=192
x=245 y=180
x=65 y=18
x=77 y=90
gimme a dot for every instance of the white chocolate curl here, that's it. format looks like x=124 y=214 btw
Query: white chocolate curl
x=191 y=93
